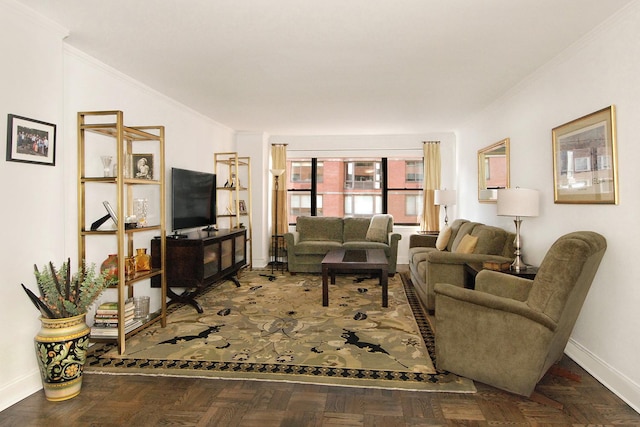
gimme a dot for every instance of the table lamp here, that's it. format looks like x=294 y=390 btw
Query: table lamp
x=518 y=202
x=444 y=198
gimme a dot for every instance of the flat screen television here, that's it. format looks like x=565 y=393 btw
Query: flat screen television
x=193 y=199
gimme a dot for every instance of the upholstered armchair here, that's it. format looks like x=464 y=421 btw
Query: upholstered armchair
x=509 y=331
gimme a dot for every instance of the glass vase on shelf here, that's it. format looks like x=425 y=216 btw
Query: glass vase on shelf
x=106 y=165
x=143 y=260
x=141 y=210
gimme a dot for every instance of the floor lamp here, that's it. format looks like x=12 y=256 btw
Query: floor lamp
x=444 y=198
x=518 y=202
x=276 y=249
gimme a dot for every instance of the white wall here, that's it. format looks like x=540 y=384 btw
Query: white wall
x=44 y=80
x=601 y=70
x=32 y=213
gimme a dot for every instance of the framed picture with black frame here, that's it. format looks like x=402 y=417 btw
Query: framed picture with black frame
x=585 y=159
x=142 y=166
x=30 y=141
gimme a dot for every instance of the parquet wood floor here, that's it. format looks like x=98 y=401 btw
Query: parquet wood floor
x=110 y=400
x=131 y=400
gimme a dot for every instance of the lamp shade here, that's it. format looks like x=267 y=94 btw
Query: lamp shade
x=277 y=172
x=444 y=197
x=518 y=202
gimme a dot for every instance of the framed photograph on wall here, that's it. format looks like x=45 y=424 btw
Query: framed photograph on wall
x=585 y=161
x=142 y=166
x=31 y=141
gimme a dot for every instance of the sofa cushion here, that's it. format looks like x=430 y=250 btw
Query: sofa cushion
x=490 y=239
x=467 y=245
x=378 y=228
x=465 y=228
x=315 y=228
x=355 y=229
x=443 y=238
x=318 y=247
x=367 y=245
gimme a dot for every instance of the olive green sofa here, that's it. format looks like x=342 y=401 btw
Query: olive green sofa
x=315 y=236
x=429 y=266
x=510 y=330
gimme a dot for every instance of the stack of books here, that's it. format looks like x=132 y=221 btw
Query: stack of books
x=106 y=320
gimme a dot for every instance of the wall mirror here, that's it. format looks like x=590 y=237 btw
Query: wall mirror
x=493 y=170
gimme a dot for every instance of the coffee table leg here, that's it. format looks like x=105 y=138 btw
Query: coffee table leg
x=325 y=286
x=384 y=281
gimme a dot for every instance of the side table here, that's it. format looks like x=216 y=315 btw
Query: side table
x=277 y=263
x=473 y=268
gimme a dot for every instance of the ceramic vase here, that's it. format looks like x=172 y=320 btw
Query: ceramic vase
x=61 y=346
x=110 y=265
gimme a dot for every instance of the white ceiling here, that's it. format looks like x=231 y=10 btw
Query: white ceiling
x=329 y=66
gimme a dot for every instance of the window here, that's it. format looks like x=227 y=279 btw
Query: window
x=363 y=175
x=414 y=170
x=359 y=187
x=301 y=171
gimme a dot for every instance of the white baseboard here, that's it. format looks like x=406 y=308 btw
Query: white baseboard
x=19 y=389
x=615 y=381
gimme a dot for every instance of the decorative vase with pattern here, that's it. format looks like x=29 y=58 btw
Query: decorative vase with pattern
x=110 y=265
x=61 y=346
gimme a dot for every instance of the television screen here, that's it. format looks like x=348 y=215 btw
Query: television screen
x=193 y=198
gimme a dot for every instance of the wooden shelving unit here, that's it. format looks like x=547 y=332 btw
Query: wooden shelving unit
x=104 y=133
x=233 y=176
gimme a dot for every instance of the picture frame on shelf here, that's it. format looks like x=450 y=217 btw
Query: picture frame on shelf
x=30 y=141
x=242 y=206
x=111 y=212
x=585 y=160
x=142 y=165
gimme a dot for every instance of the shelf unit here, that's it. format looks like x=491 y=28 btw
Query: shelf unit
x=233 y=176
x=103 y=133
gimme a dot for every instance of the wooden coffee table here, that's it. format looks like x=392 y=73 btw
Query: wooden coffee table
x=354 y=260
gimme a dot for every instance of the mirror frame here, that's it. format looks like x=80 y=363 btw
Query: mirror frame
x=486 y=195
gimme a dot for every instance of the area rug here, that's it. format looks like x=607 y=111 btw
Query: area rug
x=274 y=327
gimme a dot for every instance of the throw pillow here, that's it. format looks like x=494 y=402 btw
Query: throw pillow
x=467 y=245
x=443 y=238
x=377 y=231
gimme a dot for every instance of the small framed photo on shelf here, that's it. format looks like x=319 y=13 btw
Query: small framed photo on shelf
x=585 y=159
x=242 y=206
x=31 y=141
x=142 y=166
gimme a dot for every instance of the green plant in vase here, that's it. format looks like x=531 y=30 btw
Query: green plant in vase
x=63 y=339
x=65 y=295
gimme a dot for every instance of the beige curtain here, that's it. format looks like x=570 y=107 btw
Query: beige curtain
x=430 y=220
x=279 y=161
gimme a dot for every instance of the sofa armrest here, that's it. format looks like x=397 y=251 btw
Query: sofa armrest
x=503 y=285
x=493 y=302
x=291 y=238
x=393 y=238
x=422 y=240
x=445 y=257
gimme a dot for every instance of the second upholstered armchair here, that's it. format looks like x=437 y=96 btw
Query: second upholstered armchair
x=509 y=331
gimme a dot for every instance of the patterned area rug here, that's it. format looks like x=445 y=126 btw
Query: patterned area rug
x=278 y=330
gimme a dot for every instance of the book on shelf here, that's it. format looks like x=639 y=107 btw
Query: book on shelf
x=112 y=307
x=103 y=331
